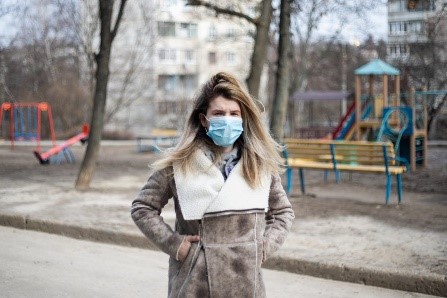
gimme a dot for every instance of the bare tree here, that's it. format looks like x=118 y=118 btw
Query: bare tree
x=307 y=17
x=278 y=115
x=426 y=64
x=128 y=65
x=40 y=63
x=262 y=24
x=107 y=36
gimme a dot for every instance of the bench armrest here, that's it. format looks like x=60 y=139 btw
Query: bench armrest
x=403 y=161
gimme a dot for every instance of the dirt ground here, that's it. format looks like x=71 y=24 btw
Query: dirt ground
x=353 y=208
x=423 y=213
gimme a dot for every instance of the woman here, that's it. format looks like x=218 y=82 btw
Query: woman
x=231 y=210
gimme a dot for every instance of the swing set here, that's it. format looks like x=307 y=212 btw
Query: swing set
x=25 y=121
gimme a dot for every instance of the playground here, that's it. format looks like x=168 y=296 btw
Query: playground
x=346 y=224
x=338 y=225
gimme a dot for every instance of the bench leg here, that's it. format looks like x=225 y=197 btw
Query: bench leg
x=337 y=176
x=388 y=189
x=303 y=190
x=399 y=187
x=289 y=180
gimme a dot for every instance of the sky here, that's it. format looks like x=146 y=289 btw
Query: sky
x=375 y=24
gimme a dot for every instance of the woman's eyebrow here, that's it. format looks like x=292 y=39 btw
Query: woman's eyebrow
x=213 y=110
x=217 y=110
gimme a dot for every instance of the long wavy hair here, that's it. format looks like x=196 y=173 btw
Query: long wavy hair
x=260 y=153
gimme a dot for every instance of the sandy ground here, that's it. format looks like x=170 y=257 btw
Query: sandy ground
x=346 y=223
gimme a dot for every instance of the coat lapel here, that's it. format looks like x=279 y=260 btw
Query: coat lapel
x=204 y=190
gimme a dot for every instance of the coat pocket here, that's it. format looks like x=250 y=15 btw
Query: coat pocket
x=233 y=269
x=184 y=269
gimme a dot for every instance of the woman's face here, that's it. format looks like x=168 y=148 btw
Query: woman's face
x=221 y=106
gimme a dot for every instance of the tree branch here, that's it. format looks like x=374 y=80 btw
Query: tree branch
x=118 y=18
x=221 y=10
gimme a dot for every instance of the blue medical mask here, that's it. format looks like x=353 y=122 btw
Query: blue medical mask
x=224 y=130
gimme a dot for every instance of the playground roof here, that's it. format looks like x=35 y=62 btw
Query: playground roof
x=320 y=95
x=377 y=67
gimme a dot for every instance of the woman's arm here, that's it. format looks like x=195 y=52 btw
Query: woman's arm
x=146 y=209
x=279 y=218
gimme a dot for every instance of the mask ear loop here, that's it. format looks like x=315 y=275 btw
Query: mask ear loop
x=206 y=129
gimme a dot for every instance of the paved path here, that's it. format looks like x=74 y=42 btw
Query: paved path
x=36 y=264
x=344 y=233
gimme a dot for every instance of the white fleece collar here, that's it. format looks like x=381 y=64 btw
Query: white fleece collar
x=204 y=190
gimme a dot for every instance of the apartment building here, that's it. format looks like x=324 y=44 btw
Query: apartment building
x=417 y=44
x=186 y=45
x=407 y=25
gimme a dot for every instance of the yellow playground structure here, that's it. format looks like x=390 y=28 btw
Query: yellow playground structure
x=378 y=115
x=377 y=135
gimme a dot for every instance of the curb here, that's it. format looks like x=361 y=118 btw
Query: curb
x=431 y=285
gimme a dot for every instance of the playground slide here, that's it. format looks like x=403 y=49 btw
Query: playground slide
x=342 y=122
x=44 y=158
x=346 y=124
x=346 y=132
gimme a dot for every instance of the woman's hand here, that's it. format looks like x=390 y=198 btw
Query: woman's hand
x=185 y=246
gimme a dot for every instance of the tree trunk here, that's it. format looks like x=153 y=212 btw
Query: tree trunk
x=278 y=114
x=262 y=24
x=260 y=48
x=88 y=165
x=433 y=112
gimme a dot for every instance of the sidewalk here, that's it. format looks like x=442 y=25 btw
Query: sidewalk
x=34 y=264
x=375 y=245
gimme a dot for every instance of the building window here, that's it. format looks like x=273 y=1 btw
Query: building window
x=212 y=32
x=189 y=82
x=402 y=28
x=212 y=58
x=167 y=107
x=231 y=32
x=190 y=56
x=398 y=50
x=415 y=27
x=167 y=83
x=188 y=30
x=421 y=5
x=398 y=28
x=397 y=6
x=166 y=28
x=167 y=55
x=230 y=57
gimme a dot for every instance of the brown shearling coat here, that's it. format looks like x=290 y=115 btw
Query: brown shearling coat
x=227 y=260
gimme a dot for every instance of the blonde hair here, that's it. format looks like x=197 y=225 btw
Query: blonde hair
x=260 y=153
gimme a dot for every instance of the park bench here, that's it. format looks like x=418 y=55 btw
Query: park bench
x=343 y=156
x=157 y=139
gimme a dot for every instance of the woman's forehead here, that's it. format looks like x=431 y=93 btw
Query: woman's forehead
x=222 y=103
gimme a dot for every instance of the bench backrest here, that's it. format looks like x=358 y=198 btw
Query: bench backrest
x=344 y=152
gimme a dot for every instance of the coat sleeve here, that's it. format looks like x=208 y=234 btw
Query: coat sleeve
x=279 y=218
x=146 y=210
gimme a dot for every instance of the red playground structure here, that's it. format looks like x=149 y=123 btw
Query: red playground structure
x=25 y=123
x=44 y=158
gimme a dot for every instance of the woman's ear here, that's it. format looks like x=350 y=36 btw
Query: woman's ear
x=203 y=121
